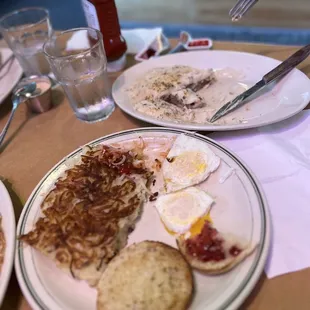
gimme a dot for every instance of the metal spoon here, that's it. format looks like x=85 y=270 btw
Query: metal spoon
x=17 y=98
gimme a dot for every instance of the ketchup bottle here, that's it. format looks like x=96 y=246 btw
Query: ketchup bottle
x=102 y=15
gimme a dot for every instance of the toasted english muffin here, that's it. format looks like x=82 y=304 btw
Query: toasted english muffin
x=215 y=267
x=213 y=252
x=147 y=275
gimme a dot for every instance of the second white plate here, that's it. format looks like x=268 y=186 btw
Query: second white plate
x=8 y=227
x=9 y=74
x=288 y=97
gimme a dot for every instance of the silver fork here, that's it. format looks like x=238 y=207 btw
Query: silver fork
x=241 y=7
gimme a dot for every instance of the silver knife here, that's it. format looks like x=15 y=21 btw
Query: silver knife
x=285 y=67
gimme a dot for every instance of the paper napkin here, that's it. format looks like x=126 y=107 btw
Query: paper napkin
x=136 y=39
x=279 y=155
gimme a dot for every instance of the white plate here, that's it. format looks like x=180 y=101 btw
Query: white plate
x=9 y=229
x=9 y=75
x=239 y=201
x=288 y=97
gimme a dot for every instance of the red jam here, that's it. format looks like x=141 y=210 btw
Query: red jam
x=196 y=43
x=148 y=54
x=234 y=251
x=208 y=245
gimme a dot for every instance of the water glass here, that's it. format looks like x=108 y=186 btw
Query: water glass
x=79 y=63
x=25 y=31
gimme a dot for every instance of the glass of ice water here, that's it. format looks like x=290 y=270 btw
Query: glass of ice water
x=25 y=31
x=79 y=63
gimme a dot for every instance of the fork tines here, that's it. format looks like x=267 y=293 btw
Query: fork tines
x=241 y=7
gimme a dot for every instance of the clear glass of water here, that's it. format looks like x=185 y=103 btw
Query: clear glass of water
x=25 y=31
x=79 y=63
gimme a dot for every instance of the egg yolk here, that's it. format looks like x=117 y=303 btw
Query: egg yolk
x=196 y=228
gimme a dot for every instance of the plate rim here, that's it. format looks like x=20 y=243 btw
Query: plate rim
x=184 y=126
x=6 y=273
x=251 y=279
x=15 y=81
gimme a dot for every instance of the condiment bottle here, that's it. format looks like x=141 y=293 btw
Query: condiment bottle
x=102 y=15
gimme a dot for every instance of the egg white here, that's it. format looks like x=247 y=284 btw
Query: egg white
x=180 y=210
x=189 y=162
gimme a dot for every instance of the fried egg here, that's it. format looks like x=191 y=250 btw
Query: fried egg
x=189 y=162
x=184 y=211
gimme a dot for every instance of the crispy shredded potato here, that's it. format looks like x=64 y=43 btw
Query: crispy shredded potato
x=90 y=211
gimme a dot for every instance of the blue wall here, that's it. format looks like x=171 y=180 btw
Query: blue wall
x=68 y=14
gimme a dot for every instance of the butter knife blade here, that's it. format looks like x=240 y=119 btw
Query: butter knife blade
x=281 y=70
x=233 y=104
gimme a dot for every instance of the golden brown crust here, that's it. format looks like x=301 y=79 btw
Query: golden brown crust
x=147 y=275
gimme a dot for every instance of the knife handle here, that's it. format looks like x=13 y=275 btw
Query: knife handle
x=287 y=65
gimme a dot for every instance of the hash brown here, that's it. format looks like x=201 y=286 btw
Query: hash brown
x=89 y=213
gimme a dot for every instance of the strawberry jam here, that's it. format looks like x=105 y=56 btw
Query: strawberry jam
x=209 y=245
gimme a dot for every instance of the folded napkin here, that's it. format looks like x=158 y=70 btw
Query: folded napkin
x=136 y=39
x=279 y=155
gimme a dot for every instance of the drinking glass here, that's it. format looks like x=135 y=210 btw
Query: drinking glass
x=79 y=63
x=25 y=31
